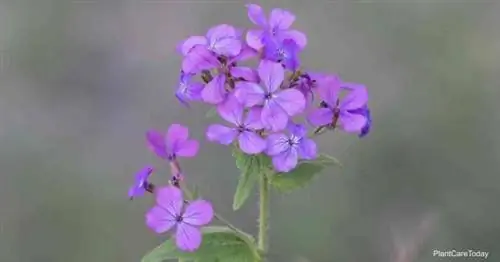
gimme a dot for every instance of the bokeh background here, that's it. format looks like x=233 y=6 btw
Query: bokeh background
x=81 y=81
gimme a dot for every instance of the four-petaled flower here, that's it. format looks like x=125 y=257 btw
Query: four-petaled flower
x=188 y=90
x=221 y=39
x=174 y=144
x=141 y=183
x=343 y=112
x=244 y=128
x=169 y=213
x=284 y=52
x=286 y=150
x=217 y=90
x=277 y=27
x=278 y=104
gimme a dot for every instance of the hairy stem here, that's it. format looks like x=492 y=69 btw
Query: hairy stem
x=263 y=213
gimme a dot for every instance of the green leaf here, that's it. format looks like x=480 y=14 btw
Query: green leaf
x=220 y=244
x=302 y=174
x=251 y=166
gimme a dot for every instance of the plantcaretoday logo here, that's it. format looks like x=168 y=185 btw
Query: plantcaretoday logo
x=464 y=253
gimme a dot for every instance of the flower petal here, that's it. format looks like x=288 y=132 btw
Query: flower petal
x=271 y=74
x=281 y=19
x=249 y=93
x=223 y=40
x=198 y=213
x=188 y=148
x=188 y=44
x=198 y=59
x=298 y=37
x=320 y=117
x=253 y=118
x=221 y=134
x=246 y=53
x=135 y=191
x=277 y=144
x=328 y=89
x=256 y=15
x=251 y=143
x=159 y=219
x=170 y=199
x=176 y=134
x=286 y=161
x=291 y=100
x=215 y=92
x=307 y=149
x=274 y=117
x=291 y=59
x=297 y=130
x=352 y=123
x=187 y=237
x=231 y=110
x=254 y=38
x=189 y=92
x=356 y=98
x=247 y=73
x=156 y=143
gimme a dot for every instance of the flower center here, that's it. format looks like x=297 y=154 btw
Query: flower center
x=178 y=218
x=293 y=140
x=268 y=96
x=242 y=128
x=281 y=53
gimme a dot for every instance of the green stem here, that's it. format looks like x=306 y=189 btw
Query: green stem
x=263 y=213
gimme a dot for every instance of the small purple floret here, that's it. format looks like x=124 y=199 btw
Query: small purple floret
x=141 y=182
x=175 y=143
x=286 y=149
x=169 y=213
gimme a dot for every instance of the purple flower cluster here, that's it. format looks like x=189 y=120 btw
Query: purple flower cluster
x=260 y=104
x=170 y=211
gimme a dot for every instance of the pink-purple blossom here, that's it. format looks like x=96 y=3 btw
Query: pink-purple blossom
x=278 y=104
x=175 y=143
x=245 y=127
x=286 y=149
x=170 y=213
x=335 y=111
x=277 y=26
x=221 y=39
x=285 y=52
x=141 y=184
x=188 y=90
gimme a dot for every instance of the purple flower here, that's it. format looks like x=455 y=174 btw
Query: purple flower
x=141 y=183
x=308 y=83
x=285 y=150
x=278 y=104
x=169 y=213
x=217 y=91
x=199 y=58
x=221 y=39
x=188 y=90
x=244 y=128
x=175 y=143
x=284 y=52
x=364 y=111
x=278 y=27
x=333 y=110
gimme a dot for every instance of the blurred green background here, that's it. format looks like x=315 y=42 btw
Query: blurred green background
x=81 y=81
